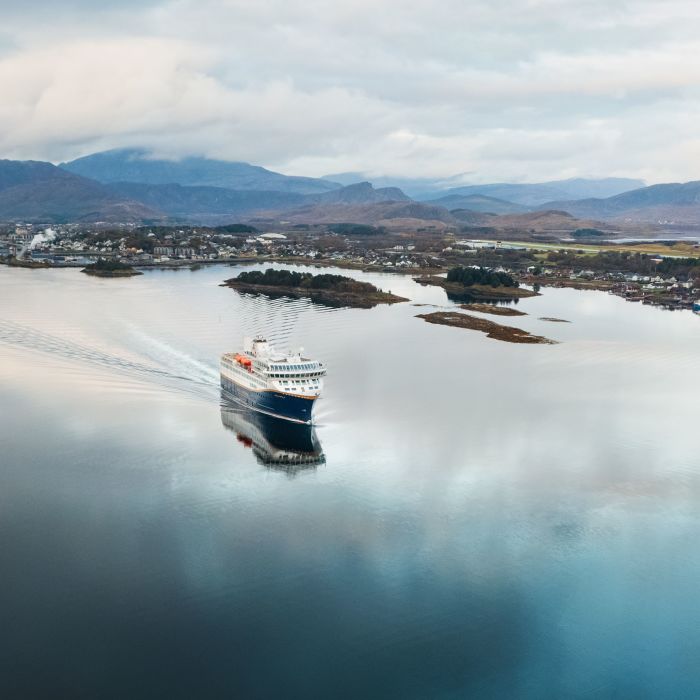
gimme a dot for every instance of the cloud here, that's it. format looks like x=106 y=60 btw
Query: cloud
x=525 y=89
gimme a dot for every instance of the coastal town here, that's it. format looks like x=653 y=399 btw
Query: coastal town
x=666 y=275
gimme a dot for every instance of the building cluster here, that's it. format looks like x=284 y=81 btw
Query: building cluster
x=75 y=245
x=65 y=246
x=667 y=291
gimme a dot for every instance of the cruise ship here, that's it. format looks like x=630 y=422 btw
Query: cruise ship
x=280 y=385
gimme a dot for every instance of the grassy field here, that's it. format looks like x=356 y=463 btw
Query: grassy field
x=677 y=250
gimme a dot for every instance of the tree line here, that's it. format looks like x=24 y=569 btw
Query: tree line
x=305 y=280
x=638 y=263
x=105 y=265
x=468 y=276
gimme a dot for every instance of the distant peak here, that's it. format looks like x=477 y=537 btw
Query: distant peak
x=360 y=186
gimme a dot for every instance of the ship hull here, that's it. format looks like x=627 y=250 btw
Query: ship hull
x=294 y=408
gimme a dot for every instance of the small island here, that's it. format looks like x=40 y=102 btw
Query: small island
x=493 y=330
x=110 y=268
x=328 y=290
x=474 y=284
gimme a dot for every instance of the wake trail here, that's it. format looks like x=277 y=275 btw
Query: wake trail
x=16 y=335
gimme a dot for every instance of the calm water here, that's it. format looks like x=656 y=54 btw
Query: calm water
x=479 y=519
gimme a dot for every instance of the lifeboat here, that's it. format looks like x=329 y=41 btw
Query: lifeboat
x=244 y=361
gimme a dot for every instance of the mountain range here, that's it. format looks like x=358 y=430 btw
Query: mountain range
x=532 y=195
x=133 y=186
x=677 y=203
x=480 y=203
x=538 y=194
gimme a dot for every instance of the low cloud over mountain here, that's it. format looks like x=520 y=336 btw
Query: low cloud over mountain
x=543 y=90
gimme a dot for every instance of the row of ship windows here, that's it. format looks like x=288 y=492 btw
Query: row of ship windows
x=298 y=367
x=301 y=385
x=274 y=376
x=287 y=368
x=312 y=374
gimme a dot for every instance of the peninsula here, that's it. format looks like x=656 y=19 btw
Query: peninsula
x=328 y=290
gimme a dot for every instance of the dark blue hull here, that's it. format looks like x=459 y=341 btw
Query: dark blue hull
x=271 y=402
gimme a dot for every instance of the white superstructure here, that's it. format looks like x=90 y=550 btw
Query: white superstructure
x=260 y=368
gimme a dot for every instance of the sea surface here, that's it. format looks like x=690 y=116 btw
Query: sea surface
x=478 y=519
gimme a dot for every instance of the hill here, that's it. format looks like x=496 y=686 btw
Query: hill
x=360 y=193
x=34 y=191
x=667 y=203
x=136 y=165
x=550 y=222
x=469 y=217
x=414 y=187
x=390 y=214
x=536 y=194
x=479 y=203
x=204 y=203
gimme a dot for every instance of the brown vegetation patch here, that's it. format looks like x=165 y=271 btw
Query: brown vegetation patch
x=491 y=309
x=493 y=330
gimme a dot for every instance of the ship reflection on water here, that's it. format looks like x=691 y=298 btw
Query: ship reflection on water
x=276 y=443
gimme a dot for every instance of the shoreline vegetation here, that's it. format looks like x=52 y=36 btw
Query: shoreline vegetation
x=507 y=334
x=325 y=289
x=110 y=268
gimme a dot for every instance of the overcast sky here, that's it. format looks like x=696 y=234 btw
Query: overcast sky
x=497 y=89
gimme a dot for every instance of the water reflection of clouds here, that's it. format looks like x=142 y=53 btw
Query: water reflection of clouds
x=481 y=505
